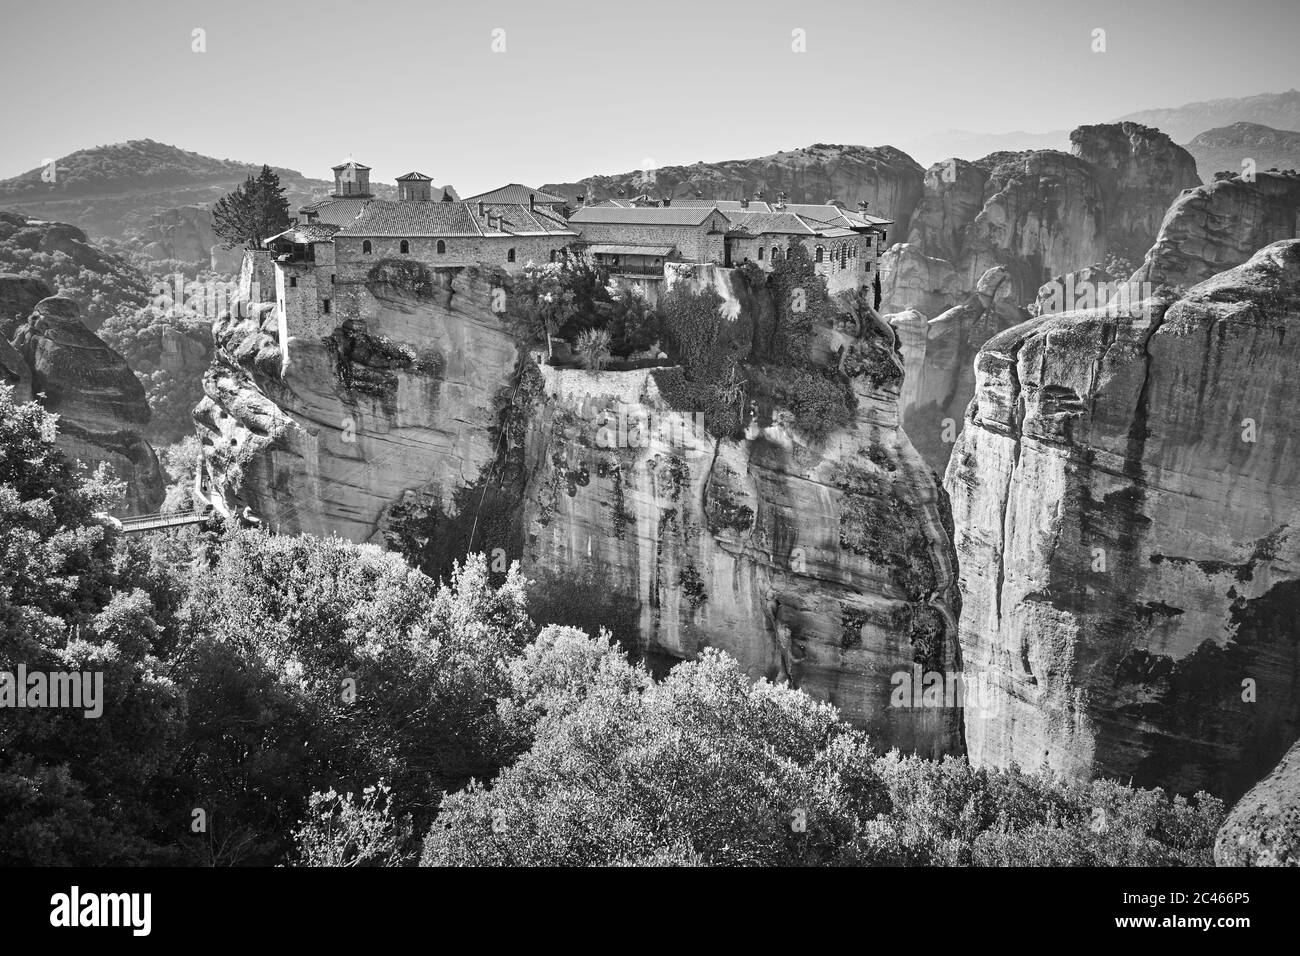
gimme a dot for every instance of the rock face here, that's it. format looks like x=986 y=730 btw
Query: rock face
x=939 y=355
x=1221 y=224
x=1124 y=495
x=885 y=177
x=1140 y=170
x=1225 y=149
x=1263 y=829
x=827 y=564
x=186 y=233
x=910 y=280
x=324 y=433
x=100 y=403
x=18 y=296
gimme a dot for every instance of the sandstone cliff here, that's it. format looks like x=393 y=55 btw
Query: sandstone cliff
x=324 y=433
x=186 y=233
x=885 y=177
x=1124 y=494
x=939 y=355
x=826 y=563
x=101 y=404
x=1221 y=224
x=1263 y=829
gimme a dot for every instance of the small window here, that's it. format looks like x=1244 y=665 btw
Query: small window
x=820 y=255
x=365 y=248
x=442 y=247
x=293 y=282
x=405 y=247
x=760 y=253
x=510 y=255
x=331 y=278
x=325 y=306
x=552 y=255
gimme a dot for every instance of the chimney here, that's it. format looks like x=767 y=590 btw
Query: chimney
x=667 y=201
x=532 y=201
x=582 y=199
x=744 y=203
x=780 y=201
x=481 y=207
x=862 y=207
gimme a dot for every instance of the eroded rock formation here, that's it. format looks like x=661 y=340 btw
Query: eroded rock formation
x=824 y=563
x=1219 y=225
x=883 y=176
x=323 y=433
x=939 y=355
x=1263 y=829
x=1124 y=495
x=101 y=404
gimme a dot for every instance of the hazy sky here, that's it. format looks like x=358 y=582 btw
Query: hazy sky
x=585 y=87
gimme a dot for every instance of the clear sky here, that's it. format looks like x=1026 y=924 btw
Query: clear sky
x=585 y=87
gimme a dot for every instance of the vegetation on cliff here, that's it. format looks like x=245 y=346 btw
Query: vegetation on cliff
x=276 y=699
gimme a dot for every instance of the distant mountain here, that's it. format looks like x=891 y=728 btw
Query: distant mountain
x=115 y=190
x=965 y=144
x=1183 y=123
x=1226 y=148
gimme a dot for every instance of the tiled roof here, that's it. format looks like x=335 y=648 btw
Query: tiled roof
x=413 y=218
x=338 y=212
x=354 y=165
x=760 y=223
x=643 y=215
x=514 y=193
x=423 y=218
x=417 y=177
x=611 y=249
x=310 y=232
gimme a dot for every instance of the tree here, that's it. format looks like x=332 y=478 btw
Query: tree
x=255 y=211
x=593 y=346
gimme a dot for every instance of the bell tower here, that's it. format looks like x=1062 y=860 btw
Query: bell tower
x=414 y=187
x=352 y=181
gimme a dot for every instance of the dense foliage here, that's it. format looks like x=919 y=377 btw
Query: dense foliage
x=309 y=701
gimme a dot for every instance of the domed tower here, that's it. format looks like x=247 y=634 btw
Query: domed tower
x=352 y=181
x=414 y=186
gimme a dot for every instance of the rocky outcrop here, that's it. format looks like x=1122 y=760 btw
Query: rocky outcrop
x=325 y=433
x=100 y=403
x=1140 y=171
x=883 y=176
x=18 y=296
x=910 y=280
x=1263 y=829
x=186 y=233
x=1219 y=225
x=822 y=562
x=1124 y=495
x=939 y=355
x=1230 y=148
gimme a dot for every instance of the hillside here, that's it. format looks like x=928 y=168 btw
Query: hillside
x=1225 y=148
x=114 y=190
x=1183 y=123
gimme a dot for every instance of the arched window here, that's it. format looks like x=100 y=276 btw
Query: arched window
x=365 y=248
x=404 y=248
x=760 y=253
x=820 y=255
x=844 y=257
x=442 y=248
x=776 y=253
x=510 y=255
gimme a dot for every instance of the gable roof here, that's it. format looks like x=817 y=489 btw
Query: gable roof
x=416 y=218
x=644 y=215
x=515 y=194
x=338 y=212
